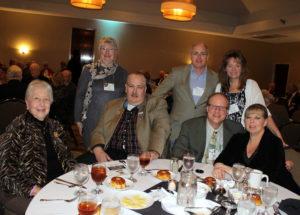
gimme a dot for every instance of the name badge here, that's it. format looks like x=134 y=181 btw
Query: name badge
x=198 y=91
x=233 y=109
x=109 y=86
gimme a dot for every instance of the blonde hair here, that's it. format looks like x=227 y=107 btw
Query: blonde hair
x=108 y=40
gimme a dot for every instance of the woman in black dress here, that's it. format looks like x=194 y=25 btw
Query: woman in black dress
x=258 y=148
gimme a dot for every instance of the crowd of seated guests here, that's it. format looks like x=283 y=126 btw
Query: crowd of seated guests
x=64 y=91
x=14 y=87
x=219 y=117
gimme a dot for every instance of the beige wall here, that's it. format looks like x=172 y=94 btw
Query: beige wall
x=141 y=47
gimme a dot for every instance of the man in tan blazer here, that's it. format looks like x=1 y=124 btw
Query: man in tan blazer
x=191 y=85
x=131 y=125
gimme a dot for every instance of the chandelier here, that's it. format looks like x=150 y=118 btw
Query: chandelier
x=180 y=10
x=88 y=4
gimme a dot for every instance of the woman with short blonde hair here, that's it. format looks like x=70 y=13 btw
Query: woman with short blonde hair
x=99 y=83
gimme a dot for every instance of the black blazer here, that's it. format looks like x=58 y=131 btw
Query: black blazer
x=269 y=157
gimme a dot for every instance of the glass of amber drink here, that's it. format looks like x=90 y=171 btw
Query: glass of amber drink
x=87 y=204
x=144 y=161
x=98 y=175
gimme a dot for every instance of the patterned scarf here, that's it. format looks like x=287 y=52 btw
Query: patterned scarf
x=97 y=72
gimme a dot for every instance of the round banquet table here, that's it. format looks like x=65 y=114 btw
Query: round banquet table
x=53 y=190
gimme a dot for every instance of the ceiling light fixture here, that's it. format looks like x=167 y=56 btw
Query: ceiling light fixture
x=88 y=4
x=179 y=10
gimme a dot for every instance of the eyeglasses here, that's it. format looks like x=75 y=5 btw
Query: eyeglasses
x=107 y=49
x=216 y=107
x=202 y=54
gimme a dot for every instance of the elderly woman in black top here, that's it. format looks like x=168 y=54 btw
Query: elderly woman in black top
x=258 y=148
x=32 y=150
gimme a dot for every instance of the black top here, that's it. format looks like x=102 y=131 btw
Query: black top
x=12 y=89
x=54 y=168
x=269 y=157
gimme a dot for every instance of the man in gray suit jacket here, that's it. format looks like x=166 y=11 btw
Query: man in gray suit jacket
x=196 y=134
x=191 y=85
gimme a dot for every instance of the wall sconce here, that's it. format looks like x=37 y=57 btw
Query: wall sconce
x=24 y=49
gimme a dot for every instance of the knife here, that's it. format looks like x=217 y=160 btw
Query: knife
x=180 y=168
x=68 y=182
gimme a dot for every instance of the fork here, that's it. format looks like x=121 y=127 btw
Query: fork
x=66 y=200
x=68 y=185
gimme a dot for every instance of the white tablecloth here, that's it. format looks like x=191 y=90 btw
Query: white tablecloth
x=53 y=190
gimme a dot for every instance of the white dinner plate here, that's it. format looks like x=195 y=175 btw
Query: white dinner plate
x=136 y=200
x=128 y=182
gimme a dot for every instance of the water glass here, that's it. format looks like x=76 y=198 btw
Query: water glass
x=133 y=164
x=269 y=196
x=245 y=207
x=81 y=175
x=188 y=161
x=187 y=189
x=238 y=173
x=110 y=206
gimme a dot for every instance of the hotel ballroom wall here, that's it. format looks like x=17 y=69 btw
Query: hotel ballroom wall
x=141 y=47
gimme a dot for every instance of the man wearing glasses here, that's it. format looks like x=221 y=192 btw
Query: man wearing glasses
x=190 y=85
x=206 y=136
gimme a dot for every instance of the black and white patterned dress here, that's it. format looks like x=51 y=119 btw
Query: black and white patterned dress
x=240 y=100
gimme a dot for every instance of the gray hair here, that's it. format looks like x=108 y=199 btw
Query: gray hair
x=14 y=72
x=39 y=84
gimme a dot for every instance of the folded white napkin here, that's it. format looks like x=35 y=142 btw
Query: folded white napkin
x=227 y=184
x=159 y=194
x=169 y=204
x=205 y=203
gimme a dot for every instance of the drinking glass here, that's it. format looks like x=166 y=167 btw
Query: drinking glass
x=245 y=207
x=144 y=161
x=269 y=196
x=110 y=206
x=87 y=204
x=81 y=175
x=98 y=175
x=188 y=161
x=238 y=173
x=133 y=164
x=187 y=189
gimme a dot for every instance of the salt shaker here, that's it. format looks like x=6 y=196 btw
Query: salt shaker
x=174 y=165
x=172 y=185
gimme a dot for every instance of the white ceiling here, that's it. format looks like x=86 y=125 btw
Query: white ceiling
x=277 y=21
